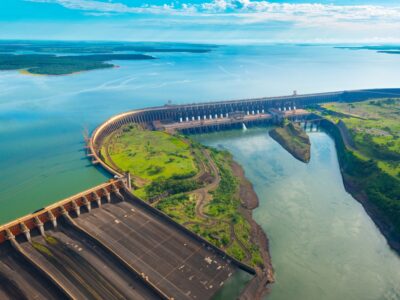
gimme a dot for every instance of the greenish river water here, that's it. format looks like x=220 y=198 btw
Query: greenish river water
x=323 y=244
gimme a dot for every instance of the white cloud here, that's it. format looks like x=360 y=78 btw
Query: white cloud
x=250 y=11
x=295 y=21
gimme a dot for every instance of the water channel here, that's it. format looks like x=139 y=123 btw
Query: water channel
x=323 y=244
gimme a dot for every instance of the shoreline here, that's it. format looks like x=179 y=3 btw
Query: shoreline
x=259 y=285
x=27 y=73
x=294 y=140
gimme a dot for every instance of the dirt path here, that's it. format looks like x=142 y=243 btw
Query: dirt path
x=202 y=194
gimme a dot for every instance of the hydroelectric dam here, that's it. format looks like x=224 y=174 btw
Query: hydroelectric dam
x=105 y=243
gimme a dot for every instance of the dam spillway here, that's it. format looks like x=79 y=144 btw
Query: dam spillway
x=109 y=246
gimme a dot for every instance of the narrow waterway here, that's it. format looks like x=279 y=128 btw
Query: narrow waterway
x=323 y=244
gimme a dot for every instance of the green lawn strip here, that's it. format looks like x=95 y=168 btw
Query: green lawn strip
x=243 y=233
x=236 y=251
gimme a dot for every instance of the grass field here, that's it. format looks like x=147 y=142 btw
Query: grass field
x=375 y=129
x=149 y=154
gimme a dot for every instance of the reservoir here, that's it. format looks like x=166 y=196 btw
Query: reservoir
x=323 y=244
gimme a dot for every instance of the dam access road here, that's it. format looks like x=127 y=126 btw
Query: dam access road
x=105 y=243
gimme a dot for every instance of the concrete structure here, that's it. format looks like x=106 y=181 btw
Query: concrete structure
x=214 y=111
x=106 y=244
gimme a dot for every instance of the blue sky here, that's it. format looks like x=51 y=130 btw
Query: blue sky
x=224 y=21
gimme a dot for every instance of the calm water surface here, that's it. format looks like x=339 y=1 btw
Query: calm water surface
x=323 y=244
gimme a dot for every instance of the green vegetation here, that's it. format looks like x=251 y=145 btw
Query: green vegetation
x=374 y=127
x=293 y=138
x=42 y=249
x=100 y=47
x=150 y=155
x=62 y=65
x=370 y=155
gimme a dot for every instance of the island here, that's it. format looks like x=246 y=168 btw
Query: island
x=43 y=64
x=50 y=47
x=367 y=138
x=39 y=57
x=200 y=187
x=294 y=139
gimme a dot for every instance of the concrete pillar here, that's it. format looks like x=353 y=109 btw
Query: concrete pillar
x=187 y=119
x=258 y=111
x=198 y=118
x=222 y=116
x=116 y=191
x=39 y=225
x=226 y=115
x=205 y=117
x=180 y=120
x=128 y=180
x=97 y=199
x=25 y=230
x=52 y=218
x=9 y=235
x=216 y=116
x=262 y=111
x=87 y=203
x=63 y=211
x=210 y=117
x=192 y=118
x=76 y=208
x=252 y=112
x=280 y=109
x=107 y=195
x=248 y=112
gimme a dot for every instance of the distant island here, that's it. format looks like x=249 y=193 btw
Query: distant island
x=294 y=139
x=41 y=64
x=100 y=47
x=388 y=49
x=40 y=57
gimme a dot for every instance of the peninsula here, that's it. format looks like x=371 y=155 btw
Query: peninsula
x=294 y=139
x=199 y=187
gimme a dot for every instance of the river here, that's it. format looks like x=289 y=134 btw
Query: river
x=322 y=242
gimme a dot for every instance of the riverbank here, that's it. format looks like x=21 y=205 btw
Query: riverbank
x=293 y=138
x=360 y=179
x=257 y=287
